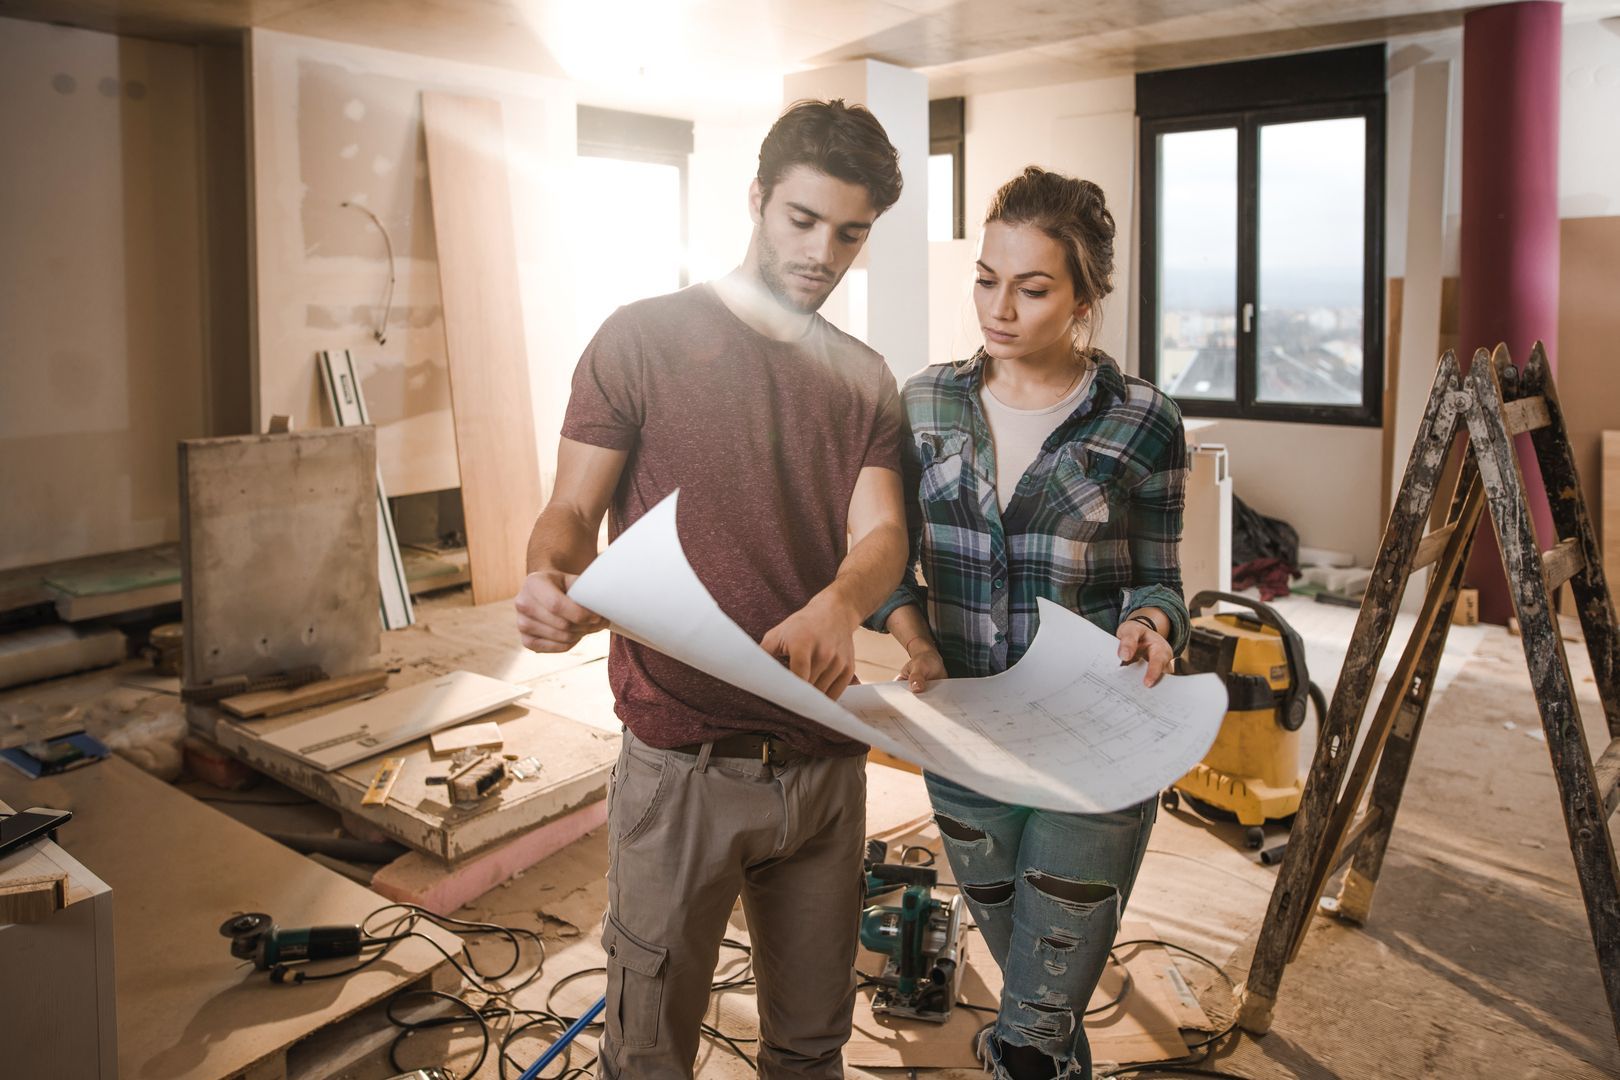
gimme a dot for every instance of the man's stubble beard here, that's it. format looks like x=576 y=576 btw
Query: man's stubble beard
x=770 y=274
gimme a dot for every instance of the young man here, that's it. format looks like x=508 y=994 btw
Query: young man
x=784 y=436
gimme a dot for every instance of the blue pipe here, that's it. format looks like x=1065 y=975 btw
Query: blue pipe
x=561 y=1044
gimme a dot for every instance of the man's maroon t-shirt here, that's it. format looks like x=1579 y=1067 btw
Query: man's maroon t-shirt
x=765 y=440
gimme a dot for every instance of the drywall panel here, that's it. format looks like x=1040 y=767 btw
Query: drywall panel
x=336 y=123
x=100 y=322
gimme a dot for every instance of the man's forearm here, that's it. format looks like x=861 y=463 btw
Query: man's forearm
x=869 y=573
x=562 y=541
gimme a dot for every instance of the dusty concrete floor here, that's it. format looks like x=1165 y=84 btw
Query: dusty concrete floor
x=1476 y=962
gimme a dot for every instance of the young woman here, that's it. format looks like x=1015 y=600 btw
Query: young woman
x=1036 y=468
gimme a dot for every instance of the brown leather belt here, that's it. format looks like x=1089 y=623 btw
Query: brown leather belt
x=767 y=749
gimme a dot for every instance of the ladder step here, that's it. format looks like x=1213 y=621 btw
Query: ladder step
x=1607 y=768
x=1352 y=838
x=1525 y=414
x=1562 y=563
x=1430 y=547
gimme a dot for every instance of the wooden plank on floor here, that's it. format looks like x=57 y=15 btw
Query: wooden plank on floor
x=483 y=325
x=188 y=1010
x=278 y=553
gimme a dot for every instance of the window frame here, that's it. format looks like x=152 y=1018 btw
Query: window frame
x=628 y=136
x=947 y=134
x=1187 y=107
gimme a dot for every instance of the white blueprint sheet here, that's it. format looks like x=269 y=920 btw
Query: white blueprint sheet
x=1066 y=728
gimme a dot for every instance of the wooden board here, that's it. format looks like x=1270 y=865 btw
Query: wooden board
x=1610 y=506
x=427 y=571
x=483 y=327
x=363 y=731
x=320 y=692
x=348 y=405
x=187 y=1010
x=97 y=585
x=278 y=537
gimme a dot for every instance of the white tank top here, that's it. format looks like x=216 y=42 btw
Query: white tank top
x=1018 y=434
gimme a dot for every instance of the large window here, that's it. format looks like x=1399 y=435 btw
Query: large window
x=631 y=196
x=1262 y=224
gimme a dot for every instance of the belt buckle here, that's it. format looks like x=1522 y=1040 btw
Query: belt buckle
x=770 y=751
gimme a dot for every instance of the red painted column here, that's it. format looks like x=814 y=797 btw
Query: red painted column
x=1509 y=230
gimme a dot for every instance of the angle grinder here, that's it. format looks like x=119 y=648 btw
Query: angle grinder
x=256 y=937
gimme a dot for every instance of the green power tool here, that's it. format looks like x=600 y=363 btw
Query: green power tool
x=920 y=940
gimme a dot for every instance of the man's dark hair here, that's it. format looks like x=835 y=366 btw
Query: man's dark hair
x=844 y=141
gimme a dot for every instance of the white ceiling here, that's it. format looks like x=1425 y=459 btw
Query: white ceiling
x=697 y=57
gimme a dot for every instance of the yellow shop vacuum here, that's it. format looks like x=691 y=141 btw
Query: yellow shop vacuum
x=1253 y=773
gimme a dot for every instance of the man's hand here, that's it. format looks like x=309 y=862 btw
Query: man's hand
x=1137 y=642
x=547 y=620
x=818 y=643
x=924 y=667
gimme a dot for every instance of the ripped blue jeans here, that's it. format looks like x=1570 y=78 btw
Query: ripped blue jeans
x=1047 y=891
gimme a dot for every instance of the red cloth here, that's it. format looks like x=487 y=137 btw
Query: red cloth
x=765 y=440
x=1271 y=575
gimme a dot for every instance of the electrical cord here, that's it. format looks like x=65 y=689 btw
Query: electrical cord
x=499 y=1009
x=381 y=332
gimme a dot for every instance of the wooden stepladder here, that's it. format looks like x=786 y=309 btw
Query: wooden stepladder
x=1493 y=403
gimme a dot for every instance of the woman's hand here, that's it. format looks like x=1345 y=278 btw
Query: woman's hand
x=1138 y=642
x=925 y=666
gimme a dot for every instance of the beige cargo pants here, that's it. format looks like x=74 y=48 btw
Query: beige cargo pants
x=688 y=836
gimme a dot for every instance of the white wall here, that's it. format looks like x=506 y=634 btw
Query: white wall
x=883 y=299
x=1589 y=121
x=100 y=263
x=335 y=122
x=725 y=157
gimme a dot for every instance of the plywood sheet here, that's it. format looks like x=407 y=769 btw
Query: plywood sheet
x=1610 y=503
x=186 y=1009
x=483 y=323
x=278 y=553
x=1584 y=364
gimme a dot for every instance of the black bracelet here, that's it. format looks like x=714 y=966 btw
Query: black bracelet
x=1145 y=621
